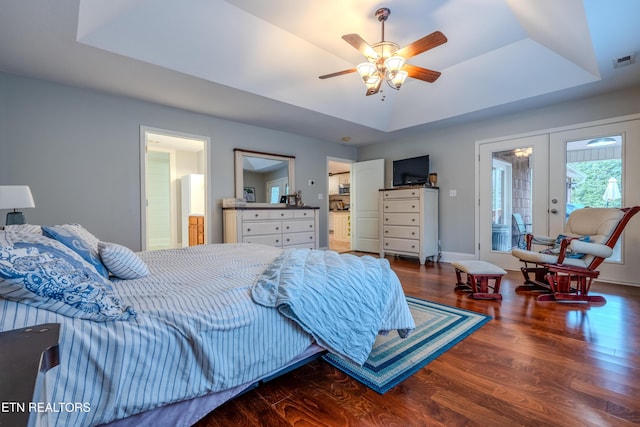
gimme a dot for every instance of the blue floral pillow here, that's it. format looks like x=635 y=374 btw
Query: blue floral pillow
x=77 y=238
x=44 y=273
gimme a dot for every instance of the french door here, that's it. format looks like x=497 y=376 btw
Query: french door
x=596 y=166
x=513 y=182
x=532 y=184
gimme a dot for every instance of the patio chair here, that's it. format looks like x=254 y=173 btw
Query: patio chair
x=570 y=263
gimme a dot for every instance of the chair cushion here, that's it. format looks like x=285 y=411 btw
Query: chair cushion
x=543 y=258
x=598 y=223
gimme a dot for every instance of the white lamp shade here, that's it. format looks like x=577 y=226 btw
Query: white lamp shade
x=399 y=78
x=393 y=65
x=16 y=197
x=368 y=72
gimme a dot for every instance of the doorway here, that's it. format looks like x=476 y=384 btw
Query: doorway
x=174 y=201
x=339 y=200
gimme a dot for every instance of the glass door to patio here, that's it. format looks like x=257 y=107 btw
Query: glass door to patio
x=513 y=196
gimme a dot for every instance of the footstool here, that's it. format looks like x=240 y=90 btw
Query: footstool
x=479 y=273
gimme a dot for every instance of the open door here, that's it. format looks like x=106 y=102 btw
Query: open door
x=366 y=179
x=167 y=206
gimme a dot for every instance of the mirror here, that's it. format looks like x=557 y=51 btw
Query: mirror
x=264 y=178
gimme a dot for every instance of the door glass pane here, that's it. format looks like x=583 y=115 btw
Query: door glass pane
x=511 y=198
x=594 y=176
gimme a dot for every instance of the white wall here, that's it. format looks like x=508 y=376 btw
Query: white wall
x=452 y=148
x=79 y=151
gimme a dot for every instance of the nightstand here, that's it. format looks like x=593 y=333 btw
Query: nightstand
x=25 y=356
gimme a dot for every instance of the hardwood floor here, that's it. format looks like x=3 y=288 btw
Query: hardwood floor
x=534 y=364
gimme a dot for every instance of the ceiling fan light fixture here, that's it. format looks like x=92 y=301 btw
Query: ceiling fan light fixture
x=368 y=72
x=386 y=61
x=393 y=65
x=398 y=80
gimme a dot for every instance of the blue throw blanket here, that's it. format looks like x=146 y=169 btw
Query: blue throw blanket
x=342 y=300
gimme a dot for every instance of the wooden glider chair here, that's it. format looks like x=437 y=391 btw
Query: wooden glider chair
x=569 y=265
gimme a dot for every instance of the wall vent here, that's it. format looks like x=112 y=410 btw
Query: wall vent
x=624 y=60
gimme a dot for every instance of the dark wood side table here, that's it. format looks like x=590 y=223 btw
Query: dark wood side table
x=25 y=356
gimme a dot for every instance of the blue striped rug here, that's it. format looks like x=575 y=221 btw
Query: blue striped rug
x=393 y=359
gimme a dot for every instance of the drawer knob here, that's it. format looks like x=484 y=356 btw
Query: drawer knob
x=288 y=227
x=277 y=240
x=310 y=237
x=248 y=229
x=277 y=228
x=310 y=225
x=256 y=215
x=413 y=233
x=288 y=239
x=413 y=206
x=413 y=219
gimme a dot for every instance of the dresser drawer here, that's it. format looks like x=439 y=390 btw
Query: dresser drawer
x=280 y=214
x=401 y=219
x=250 y=215
x=298 y=226
x=401 y=245
x=259 y=228
x=271 y=240
x=410 y=205
x=303 y=213
x=401 y=194
x=401 y=232
x=298 y=238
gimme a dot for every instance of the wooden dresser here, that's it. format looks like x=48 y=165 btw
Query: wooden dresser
x=409 y=222
x=281 y=227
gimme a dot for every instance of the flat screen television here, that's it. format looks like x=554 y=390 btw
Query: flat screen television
x=412 y=171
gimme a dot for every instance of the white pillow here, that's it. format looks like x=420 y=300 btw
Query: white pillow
x=122 y=262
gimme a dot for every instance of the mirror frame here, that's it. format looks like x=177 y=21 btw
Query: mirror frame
x=239 y=156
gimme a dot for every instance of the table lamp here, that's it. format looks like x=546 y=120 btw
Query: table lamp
x=15 y=197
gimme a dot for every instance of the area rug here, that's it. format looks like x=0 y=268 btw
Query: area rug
x=393 y=359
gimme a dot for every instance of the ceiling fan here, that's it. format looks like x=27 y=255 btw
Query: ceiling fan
x=386 y=60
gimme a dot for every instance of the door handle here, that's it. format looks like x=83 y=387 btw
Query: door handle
x=554 y=211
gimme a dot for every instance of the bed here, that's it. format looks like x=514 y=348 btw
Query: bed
x=175 y=333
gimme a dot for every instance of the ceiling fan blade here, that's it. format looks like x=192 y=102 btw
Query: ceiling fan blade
x=338 y=73
x=375 y=89
x=421 y=73
x=360 y=44
x=422 y=45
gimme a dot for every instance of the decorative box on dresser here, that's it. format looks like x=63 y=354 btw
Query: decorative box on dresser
x=281 y=227
x=409 y=224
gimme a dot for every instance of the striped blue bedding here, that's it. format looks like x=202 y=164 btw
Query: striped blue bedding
x=197 y=331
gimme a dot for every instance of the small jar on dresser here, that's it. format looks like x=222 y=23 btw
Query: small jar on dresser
x=281 y=227
x=409 y=222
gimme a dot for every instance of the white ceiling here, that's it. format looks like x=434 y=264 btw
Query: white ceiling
x=258 y=62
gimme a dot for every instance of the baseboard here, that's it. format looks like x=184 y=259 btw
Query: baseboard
x=455 y=256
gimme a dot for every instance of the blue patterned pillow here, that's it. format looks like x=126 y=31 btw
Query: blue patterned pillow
x=76 y=237
x=122 y=262
x=44 y=273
